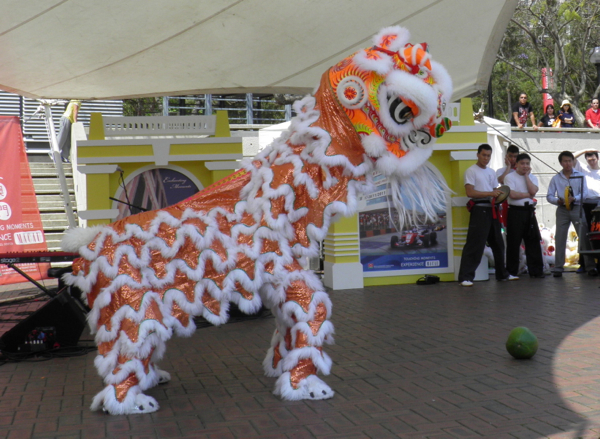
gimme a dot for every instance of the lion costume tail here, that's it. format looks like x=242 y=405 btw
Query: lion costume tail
x=78 y=237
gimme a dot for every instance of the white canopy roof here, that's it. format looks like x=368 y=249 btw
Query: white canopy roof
x=92 y=49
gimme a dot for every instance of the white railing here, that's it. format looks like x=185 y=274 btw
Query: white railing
x=133 y=126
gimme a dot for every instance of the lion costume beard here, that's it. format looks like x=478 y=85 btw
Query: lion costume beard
x=239 y=240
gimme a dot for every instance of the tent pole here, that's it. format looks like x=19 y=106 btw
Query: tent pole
x=59 y=165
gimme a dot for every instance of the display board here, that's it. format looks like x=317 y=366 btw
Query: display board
x=20 y=222
x=388 y=249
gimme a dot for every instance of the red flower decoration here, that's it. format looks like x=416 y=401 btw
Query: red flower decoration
x=350 y=93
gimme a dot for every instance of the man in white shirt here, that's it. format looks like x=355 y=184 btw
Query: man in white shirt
x=592 y=181
x=557 y=195
x=481 y=186
x=510 y=161
x=522 y=222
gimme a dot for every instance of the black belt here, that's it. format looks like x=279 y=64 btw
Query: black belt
x=530 y=207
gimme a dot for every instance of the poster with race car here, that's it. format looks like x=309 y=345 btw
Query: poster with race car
x=386 y=249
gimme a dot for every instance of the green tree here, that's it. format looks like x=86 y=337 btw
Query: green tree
x=552 y=34
x=142 y=107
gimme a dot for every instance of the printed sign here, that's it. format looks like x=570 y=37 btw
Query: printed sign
x=415 y=249
x=20 y=222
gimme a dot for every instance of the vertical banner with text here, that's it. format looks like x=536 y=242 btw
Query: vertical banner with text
x=20 y=222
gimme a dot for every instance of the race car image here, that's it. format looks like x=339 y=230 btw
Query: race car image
x=423 y=237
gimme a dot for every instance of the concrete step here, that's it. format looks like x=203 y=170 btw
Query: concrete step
x=51 y=185
x=53 y=239
x=48 y=170
x=54 y=222
x=50 y=199
x=53 y=202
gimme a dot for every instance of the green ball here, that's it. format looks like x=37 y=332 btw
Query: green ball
x=522 y=343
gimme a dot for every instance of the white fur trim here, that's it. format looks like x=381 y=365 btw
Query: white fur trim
x=383 y=65
x=402 y=37
x=78 y=237
x=442 y=79
x=374 y=145
x=403 y=166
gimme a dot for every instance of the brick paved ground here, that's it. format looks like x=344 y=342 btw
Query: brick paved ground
x=409 y=361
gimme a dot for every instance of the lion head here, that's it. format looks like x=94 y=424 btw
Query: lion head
x=394 y=95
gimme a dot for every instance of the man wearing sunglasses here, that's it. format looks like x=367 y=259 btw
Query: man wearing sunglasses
x=521 y=111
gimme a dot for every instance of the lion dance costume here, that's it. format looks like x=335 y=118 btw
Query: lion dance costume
x=239 y=240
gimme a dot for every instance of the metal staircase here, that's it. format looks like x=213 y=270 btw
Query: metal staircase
x=50 y=199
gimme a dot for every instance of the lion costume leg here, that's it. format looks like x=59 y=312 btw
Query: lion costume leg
x=303 y=326
x=126 y=362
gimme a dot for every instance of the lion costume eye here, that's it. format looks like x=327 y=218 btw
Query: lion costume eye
x=400 y=112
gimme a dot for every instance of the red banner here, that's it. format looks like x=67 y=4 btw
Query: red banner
x=20 y=222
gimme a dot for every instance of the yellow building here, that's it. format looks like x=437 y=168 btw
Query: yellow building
x=118 y=150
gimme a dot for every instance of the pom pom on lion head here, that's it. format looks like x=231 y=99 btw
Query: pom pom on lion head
x=395 y=96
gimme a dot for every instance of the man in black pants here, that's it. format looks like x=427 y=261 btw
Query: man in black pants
x=481 y=186
x=592 y=181
x=522 y=223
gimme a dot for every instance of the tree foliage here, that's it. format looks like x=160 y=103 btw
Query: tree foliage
x=142 y=107
x=555 y=34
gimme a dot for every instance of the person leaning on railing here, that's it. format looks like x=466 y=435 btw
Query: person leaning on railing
x=566 y=116
x=549 y=119
x=592 y=115
x=521 y=111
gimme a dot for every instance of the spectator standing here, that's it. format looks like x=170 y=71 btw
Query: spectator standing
x=558 y=195
x=592 y=115
x=566 y=116
x=521 y=111
x=68 y=118
x=592 y=181
x=549 y=118
x=510 y=161
x=522 y=223
x=481 y=185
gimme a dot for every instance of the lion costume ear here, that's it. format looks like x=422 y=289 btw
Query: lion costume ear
x=392 y=38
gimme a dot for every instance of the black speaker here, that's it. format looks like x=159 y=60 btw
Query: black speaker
x=59 y=322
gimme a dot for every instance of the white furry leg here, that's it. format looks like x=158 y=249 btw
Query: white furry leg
x=311 y=387
x=296 y=353
x=277 y=351
x=127 y=367
x=134 y=402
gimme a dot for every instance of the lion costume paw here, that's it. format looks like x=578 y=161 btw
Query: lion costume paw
x=134 y=403
x=311 y=387
x=163 y=376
